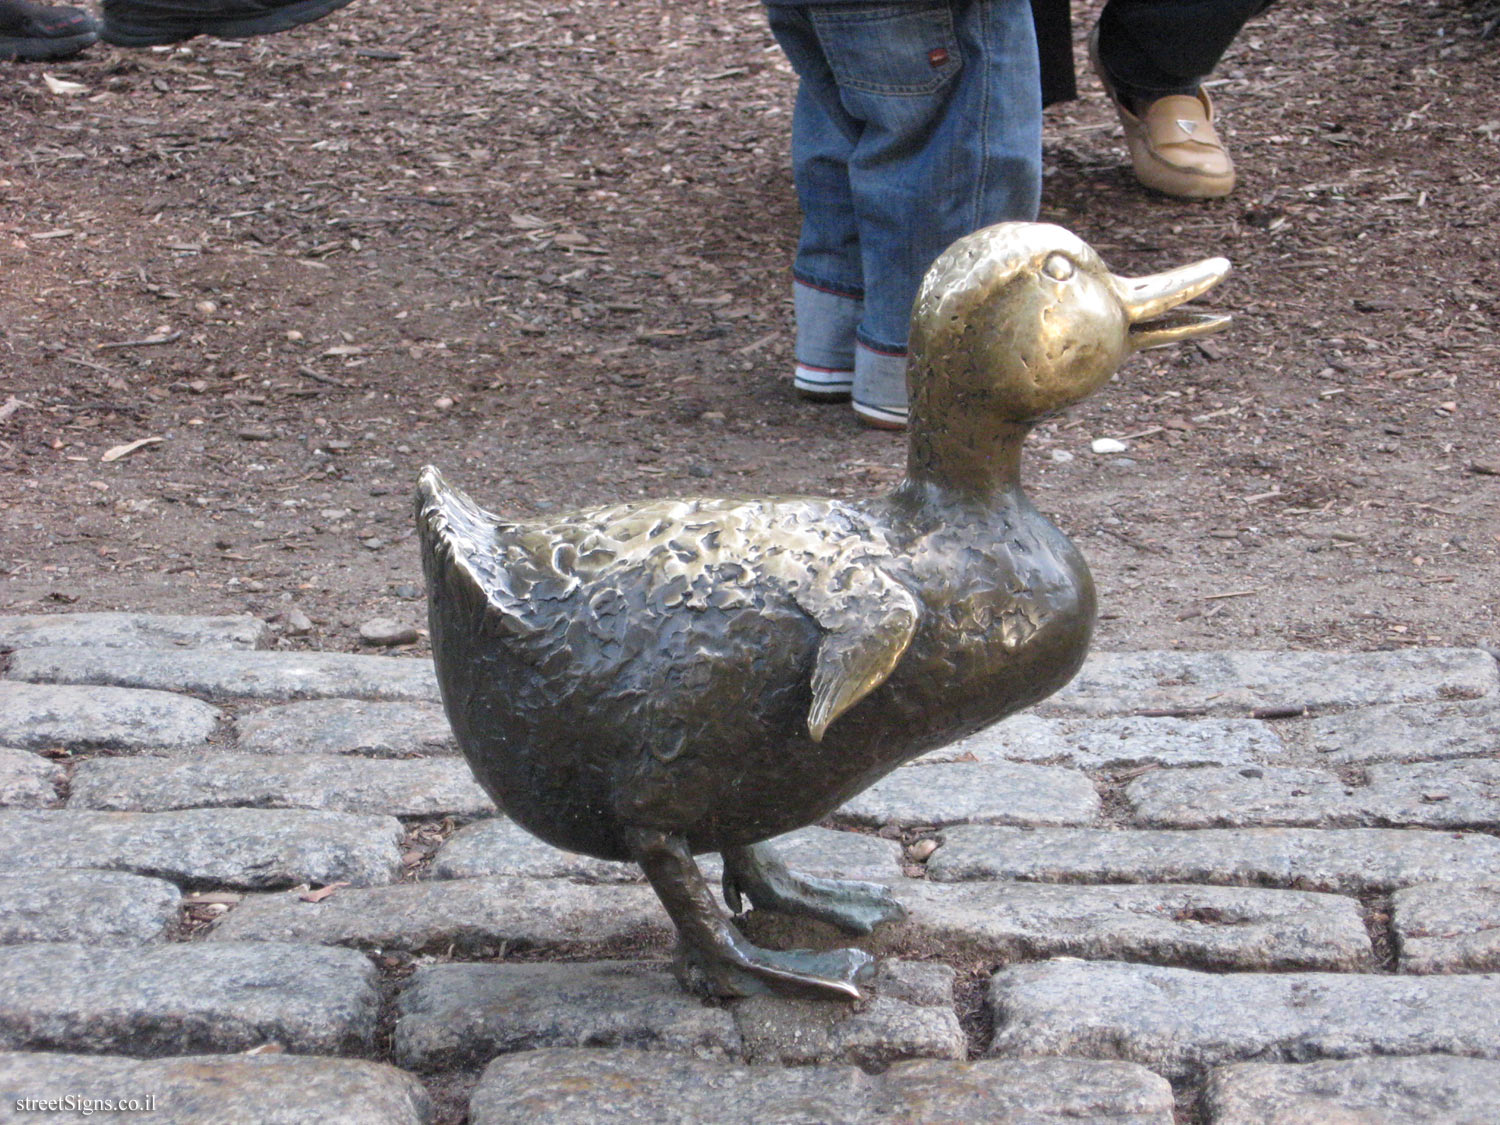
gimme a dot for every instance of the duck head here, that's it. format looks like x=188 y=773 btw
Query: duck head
x=1019 y=320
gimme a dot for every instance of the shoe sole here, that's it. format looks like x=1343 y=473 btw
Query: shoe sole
x=818 y=384
x=880 y=417
x=1158 y=175
x=45 y=50
x=123 y=34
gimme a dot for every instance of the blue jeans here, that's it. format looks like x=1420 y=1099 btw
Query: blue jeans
x=915 y=124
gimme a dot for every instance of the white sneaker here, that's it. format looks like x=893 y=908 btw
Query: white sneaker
x=822 y=384
x=879 y=390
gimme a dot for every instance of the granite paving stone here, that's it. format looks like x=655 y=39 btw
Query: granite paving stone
x=909 y=1014
x=1118 y=743
x=1401 y=733
x=281 y=676
x=1022 y=1092
x=1343 y=860
x=28 y=781
x=463 y=1015
x=1448 y=927
x=573 y=1086
x=273 y=1089
x=39 y=717
x=133 y=630
x=498 y=845
x=252 y=849
x=1238 y=682
x=1451 y=794
x=1421 y=1090
x=458 y=914
x=1180 y=1022
x=975 y=792
x=1219 y=798
x=104 y=907
x=1229 y=798
x=1231 y=928
x=369 y=728
x=400 y=787
x=182 y=998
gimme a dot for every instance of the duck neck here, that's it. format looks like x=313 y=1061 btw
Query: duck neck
x=976 y=464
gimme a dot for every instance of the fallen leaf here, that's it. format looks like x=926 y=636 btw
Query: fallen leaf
x=62 y=87
x=115 y=452
x=321 y=893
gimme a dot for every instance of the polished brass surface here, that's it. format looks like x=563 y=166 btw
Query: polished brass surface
x=650 y=680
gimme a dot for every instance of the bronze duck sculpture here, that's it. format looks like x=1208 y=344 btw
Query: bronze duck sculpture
x=652 y=680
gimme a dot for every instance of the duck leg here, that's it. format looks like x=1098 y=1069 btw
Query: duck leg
x=733 y=965
x=847 y=903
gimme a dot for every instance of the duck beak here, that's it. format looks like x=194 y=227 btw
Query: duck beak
x=1147 y=300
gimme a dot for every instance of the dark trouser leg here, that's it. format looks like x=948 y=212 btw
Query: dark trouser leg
x=147 y=23
x=1155 y=47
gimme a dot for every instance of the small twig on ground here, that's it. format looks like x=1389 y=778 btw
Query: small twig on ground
x=318 y=376
x=143 y=342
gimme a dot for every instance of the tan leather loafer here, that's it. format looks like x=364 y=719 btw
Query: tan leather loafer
x=1173 y=146
x=1175 y=149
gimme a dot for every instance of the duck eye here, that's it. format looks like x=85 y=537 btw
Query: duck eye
x=1058 y=267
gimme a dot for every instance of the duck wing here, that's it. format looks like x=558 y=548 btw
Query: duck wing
x=867 y=625
x=826 y=559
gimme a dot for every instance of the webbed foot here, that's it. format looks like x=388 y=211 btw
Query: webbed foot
x=729 y=964
x=748 y=970
x=847 y=903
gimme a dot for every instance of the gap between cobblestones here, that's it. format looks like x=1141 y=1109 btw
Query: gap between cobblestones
x=1376 y=911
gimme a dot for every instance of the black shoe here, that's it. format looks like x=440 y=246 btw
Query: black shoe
x=147 y=23
x=34 y=32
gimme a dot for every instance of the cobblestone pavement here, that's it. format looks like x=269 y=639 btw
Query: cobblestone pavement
x=1230 y=888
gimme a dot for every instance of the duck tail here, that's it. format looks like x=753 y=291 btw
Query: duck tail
x=452 y=528
x=444 y=512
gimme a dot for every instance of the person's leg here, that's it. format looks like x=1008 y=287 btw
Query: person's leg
x=1152 y=48
x=1152 y=56
x=947 y=99
x=827 y=273
x=147 y=23
x=40 y=33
